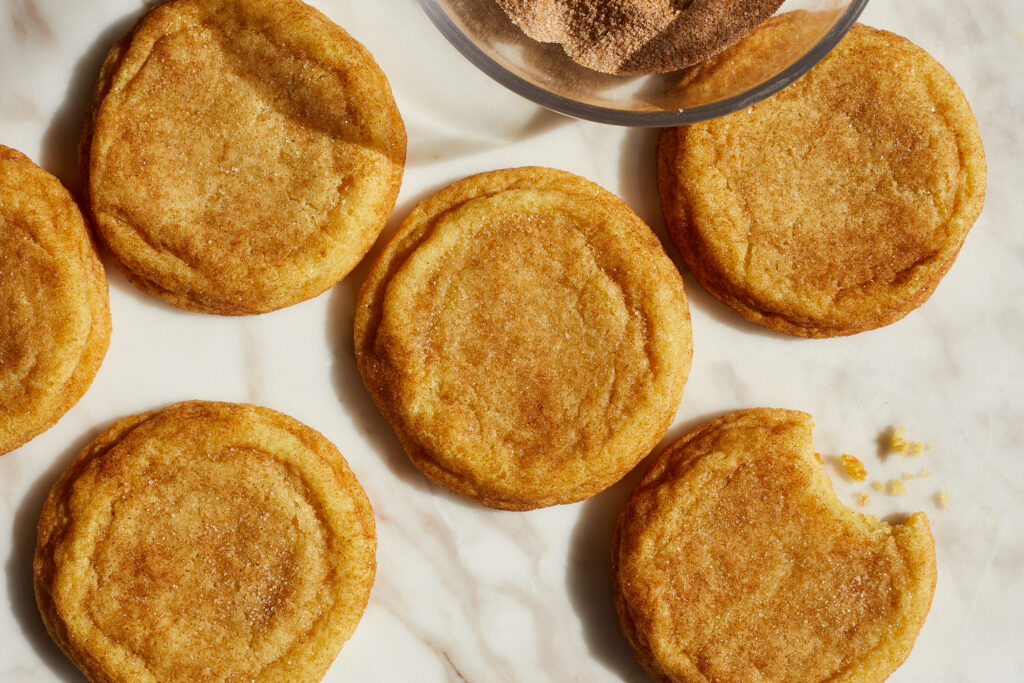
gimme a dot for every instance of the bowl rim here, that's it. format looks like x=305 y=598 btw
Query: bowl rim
x=663 y=118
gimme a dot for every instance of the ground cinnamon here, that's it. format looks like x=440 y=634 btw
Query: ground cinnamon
x=639 y=36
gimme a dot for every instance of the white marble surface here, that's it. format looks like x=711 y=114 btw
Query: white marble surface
x=466 y=593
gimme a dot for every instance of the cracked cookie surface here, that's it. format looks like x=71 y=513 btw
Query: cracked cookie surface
x=240 y=155
x=733 y=560
x=54 y=308
x=836 y=205
x=526 y=336
x=205 y=542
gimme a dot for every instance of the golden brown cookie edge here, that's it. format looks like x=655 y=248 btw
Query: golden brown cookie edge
x=98 y=340
x=53 y=523
x=199 y=302
x=917 y=546
x=413 y=231
x=675 y=208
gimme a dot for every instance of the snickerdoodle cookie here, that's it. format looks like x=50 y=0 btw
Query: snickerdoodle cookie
x=205 y=542
x=838 y=204
x=54 y=310
x=240 y=155
x=733 y=560
x=526 y=336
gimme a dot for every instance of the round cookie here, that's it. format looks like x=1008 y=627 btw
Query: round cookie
x=838 y=204
x=205 y=542
x=54 y=308
x=240 y=156
x=733 y=560
x=526 y=336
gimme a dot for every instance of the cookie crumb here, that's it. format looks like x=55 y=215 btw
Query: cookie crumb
x=942 y=497
x=907 y=476
x=925 y=473
x=896 y=487
x=854 y=467
x=863 y=499
x=898 y=441
x=878 y=486
x=898 y=444
x=917 y=448
x=817 y=456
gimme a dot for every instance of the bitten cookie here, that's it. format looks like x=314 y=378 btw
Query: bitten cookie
x=733 y=560
x=240 y=155
x=54 y=308
x=526 y=336
x=205 y=542
x=838 y=204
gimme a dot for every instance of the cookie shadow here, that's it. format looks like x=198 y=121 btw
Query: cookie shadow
x=430 y=145
x=18 y=570
x=638 y=180
x=589 y=582
x=883 y=443
x=345 y=377
x=835 y=468
x=897 y=518
x=117 y=281
x=588 y=574
x=59 y=153
x=352 y=394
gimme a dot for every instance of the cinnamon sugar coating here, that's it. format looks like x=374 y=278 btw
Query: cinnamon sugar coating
x=240 y=155
x=54 y=307
x=836 y=205
x=526 y=336
x=733 y=561
x=205 y=542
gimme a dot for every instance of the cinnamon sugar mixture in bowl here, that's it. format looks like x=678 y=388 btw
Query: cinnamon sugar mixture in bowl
x=638 y=36
x=620 y=61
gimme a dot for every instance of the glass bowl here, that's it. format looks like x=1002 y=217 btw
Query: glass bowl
x=800 y=34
